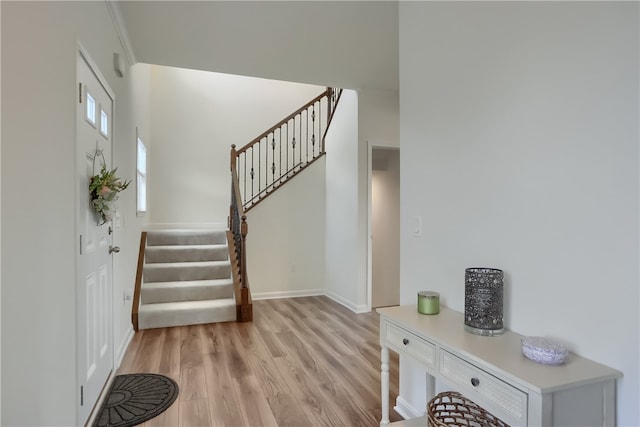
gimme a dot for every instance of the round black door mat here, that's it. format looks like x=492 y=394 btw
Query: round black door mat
x=136 y=398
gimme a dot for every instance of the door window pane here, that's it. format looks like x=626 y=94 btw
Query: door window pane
x=91 y=109
x=141 y=177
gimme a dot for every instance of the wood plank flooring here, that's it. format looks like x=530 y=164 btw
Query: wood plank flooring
x=301 y=362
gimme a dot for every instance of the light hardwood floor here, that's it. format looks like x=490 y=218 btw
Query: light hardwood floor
x=302 y=362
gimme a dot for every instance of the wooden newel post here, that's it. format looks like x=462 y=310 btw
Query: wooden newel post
x=246 y=307
x=244 y=227
x=233 y=156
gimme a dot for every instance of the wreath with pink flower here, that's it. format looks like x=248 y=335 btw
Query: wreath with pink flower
x=104 y=189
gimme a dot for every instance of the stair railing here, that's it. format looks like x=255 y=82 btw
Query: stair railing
x=288 y=147
x=264 y=165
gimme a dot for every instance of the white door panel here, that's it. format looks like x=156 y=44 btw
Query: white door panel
x=95 y=317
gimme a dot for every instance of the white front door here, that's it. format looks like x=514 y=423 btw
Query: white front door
x=94 y=263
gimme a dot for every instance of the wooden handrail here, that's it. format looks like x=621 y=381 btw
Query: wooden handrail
x=283 y=121
x=138 y=284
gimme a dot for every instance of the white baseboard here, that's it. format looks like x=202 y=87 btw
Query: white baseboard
x=406 y=411
x=362 y=308
x=286 y=294
x=122 y=348
x=186 y=226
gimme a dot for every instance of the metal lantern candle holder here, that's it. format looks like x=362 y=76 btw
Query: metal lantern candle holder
x=483 y=293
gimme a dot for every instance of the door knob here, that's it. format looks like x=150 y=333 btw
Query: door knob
x=113 y=249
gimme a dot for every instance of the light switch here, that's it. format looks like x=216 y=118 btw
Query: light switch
x=417 y=226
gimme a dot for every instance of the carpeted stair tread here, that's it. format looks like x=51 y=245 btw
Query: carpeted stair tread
x=193 y=290
x=179 y=271
x=186 y=313
x=186 y=237
x=186 y=253
x=186 y=279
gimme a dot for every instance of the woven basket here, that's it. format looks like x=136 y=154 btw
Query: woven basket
x=449 y=408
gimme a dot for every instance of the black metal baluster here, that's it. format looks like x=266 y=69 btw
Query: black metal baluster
x=244 y=196
x=252 y=173
x=259 y=166
x=293 y=144
x=313 y=132
x=273 y=158
x=320 y=134
x=307 y=136
x=300 y=150
x=280 y=149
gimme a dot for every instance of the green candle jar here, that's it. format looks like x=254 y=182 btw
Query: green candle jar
x=428 y=302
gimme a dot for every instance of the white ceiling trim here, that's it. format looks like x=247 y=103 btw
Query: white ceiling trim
x=121 y=31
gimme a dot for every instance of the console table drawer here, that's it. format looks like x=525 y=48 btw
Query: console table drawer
x=417 y=347
x=472 y=379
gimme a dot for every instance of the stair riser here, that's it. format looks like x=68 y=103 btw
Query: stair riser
x=186 y=317
x=166 y=273
x=191 y=254
x=162 y=238
x=185 y=293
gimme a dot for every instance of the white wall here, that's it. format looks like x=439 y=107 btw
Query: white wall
x=285 y=243
x=362 y=117
x=343 y=259
x=519 y=135
x=0 y=215
x=196 y=116
x=132 y=111
x=378 y=118
x=39 y=242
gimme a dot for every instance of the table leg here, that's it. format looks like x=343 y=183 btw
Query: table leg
x=431 y=387
x=384 y=382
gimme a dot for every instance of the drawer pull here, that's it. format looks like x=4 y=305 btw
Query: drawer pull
x=475 y=382
x=405 y=341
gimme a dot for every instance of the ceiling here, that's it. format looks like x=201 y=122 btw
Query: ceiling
x=350 y=44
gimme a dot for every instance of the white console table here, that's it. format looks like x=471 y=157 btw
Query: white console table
x=492 y=372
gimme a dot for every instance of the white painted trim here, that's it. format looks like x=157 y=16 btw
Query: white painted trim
x=406 y=411
x=121 y=31
x=360 y=308
x=93 y=415
x=287 y=294
x=5 y=223
x=122 y=348
x=369 y=225
x=186 y=226
x=103 y=81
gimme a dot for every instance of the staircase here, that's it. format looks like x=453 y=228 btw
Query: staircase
x=186 y=279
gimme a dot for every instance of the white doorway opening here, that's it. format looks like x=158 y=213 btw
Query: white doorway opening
x=383 y=226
